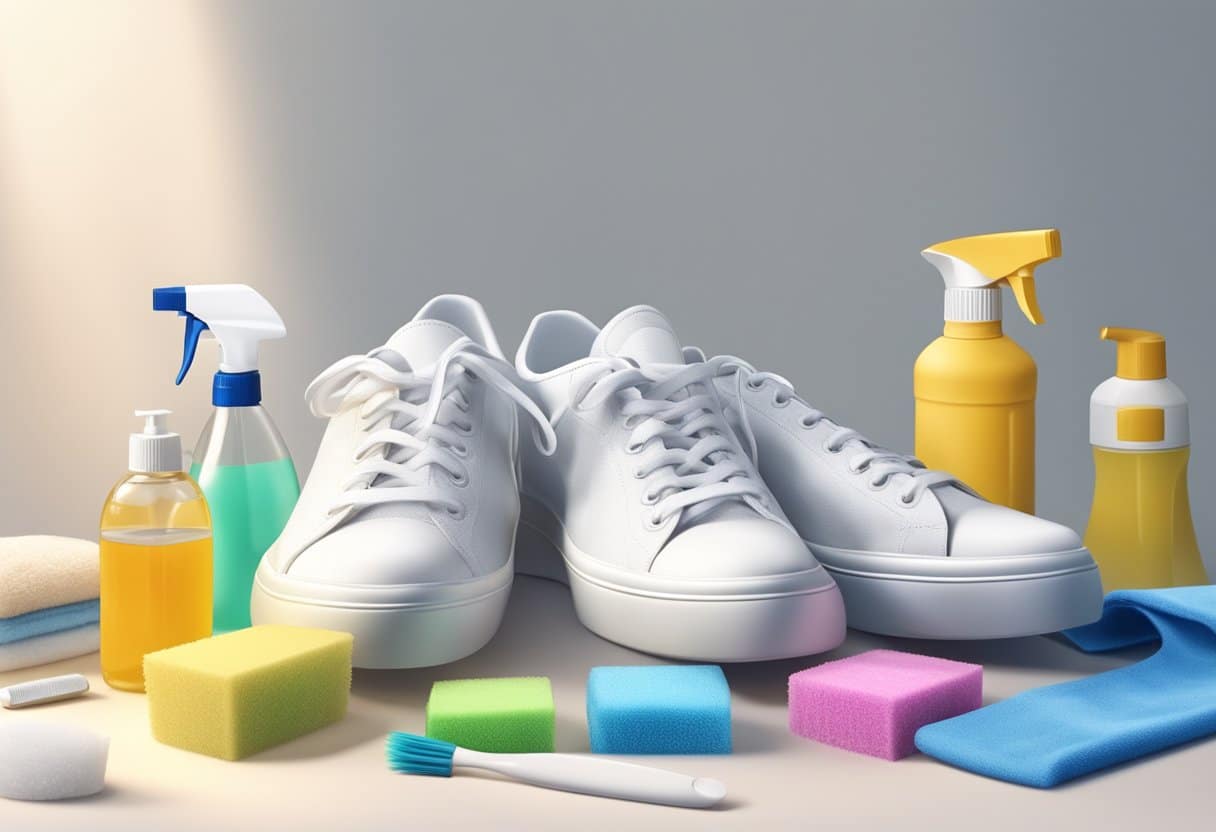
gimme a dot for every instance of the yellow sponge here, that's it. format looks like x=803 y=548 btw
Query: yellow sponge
x=240 y=693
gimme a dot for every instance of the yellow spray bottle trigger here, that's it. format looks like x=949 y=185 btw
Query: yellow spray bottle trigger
x=1008 y=258
x=1140 y=354
x=1022 y=286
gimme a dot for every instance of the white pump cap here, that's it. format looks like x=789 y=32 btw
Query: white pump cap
x=156 y=450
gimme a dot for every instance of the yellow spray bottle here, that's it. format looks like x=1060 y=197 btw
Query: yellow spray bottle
x=974 y=386
x=1140 y=530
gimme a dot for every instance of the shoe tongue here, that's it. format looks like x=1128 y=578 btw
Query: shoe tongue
x=421 y=343
x=642 y=334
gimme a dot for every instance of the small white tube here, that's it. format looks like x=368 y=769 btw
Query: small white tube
x=41 y=691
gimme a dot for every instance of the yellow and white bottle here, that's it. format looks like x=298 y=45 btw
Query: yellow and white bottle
x=974 y=386
x=156 y=568
x=1140 y=530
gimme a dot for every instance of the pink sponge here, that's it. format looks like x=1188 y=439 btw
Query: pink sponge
x=873 y=702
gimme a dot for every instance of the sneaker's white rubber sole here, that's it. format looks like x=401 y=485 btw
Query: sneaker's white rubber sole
x=965 y=598
x=413 y=625
x=774 y=617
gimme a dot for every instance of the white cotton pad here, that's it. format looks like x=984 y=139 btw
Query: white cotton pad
x=41 y=761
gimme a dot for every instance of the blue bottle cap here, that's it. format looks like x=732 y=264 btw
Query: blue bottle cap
x=236 y=389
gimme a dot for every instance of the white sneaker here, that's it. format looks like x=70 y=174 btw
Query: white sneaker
x=915 y=552
x=671 y=542
x=403 y=533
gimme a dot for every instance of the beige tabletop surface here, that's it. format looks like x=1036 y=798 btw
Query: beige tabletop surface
x=336 y=778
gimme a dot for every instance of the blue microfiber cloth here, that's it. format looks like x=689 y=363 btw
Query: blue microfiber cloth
x=1049 y=735
x=658 y=709
x=66 y=644
x=50 y=620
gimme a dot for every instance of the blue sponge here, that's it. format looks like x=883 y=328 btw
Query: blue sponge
x=658 y=710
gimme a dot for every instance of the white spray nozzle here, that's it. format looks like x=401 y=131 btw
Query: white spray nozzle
x=974 y=269
x=234 y=313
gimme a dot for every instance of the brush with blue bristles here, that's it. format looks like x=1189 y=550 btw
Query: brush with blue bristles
x=411 y=754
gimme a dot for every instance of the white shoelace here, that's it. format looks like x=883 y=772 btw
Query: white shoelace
x=883 y=465
x=415 y=421
x=692 y=464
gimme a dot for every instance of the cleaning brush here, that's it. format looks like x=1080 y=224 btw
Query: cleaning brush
x=411 y=754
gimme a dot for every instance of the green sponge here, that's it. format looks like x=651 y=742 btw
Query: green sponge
x=236 y=694
x=500 y=715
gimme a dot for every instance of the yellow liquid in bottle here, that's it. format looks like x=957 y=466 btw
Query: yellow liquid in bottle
x=156 y=590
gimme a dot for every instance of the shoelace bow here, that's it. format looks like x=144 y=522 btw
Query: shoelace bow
x=415 y=421
x=694 y=464
x=882 y=464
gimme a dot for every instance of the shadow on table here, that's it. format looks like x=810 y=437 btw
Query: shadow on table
x=115 y=795
x=540 y=636
x=356 y=729
x=767 y=681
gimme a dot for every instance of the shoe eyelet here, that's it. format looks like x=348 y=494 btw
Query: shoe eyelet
x=879 y=484
x=903 y=499
x=807 y=422
x=459 y=481
x=456 y=513
x=464 y=430
x=639 y=474
x=461 y=450
x=831 y=449
x=859 y=469
x=778 y=401
x=753 y=384
x=653 y=522
x=649 y=499
x=632 y=448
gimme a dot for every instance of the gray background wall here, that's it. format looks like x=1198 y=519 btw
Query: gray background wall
x=766 y=173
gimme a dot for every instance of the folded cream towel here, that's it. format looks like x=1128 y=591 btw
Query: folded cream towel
x=40 y=571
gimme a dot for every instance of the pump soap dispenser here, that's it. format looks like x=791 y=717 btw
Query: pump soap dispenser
x=155 y=556
x=1140 y=530
x=974 y=386
x=240 y=459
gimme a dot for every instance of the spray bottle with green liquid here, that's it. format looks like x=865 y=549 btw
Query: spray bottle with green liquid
x=240 y=460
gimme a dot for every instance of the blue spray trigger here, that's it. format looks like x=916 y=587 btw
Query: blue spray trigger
x=194 y=329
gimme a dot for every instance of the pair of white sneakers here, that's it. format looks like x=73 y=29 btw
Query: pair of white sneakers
x=697 y=508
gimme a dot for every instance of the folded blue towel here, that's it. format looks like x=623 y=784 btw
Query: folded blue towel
x=65 y=644
x=1046 y=736
x=50 y=620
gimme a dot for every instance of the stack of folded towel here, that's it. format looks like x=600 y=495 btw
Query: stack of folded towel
x=49 y=606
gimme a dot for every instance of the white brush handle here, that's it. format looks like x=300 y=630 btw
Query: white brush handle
x=606 y=778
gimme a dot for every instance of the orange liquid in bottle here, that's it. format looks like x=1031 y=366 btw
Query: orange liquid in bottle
x=156 y=573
